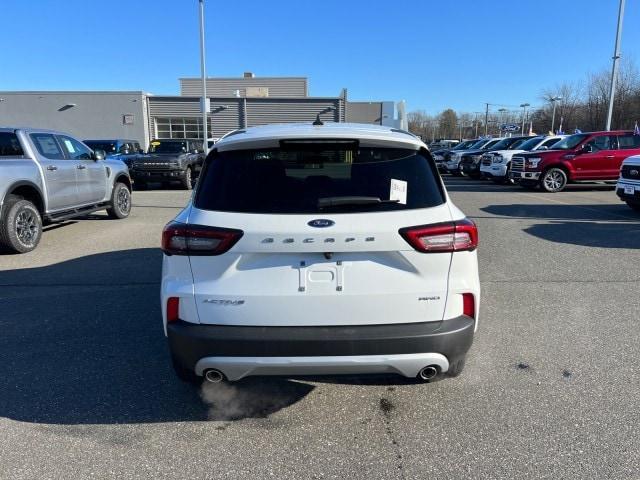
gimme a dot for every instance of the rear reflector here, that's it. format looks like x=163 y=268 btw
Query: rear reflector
x=469 y=305
x=182 y=239
x=173 y=309
x=442 y=237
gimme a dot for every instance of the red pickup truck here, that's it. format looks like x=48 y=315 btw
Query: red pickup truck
x=583 y=157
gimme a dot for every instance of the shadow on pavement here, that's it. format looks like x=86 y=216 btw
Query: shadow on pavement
x=606 y=226
x=589 y=234
x=82 y=343
x=598 y=212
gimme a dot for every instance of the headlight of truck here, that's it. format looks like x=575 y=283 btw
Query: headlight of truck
x=533 y=162
x=497 y=159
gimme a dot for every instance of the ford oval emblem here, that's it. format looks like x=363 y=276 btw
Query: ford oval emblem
x=321 y=223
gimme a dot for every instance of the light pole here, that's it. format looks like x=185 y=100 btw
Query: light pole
x=501 y=110
x=553 y=100
x=524 y=113
x=203 y=74
x=614 y=69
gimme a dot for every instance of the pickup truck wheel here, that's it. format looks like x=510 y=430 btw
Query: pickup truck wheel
x=120 y=202
x=634 y=205
x=553 y=180
x=187 y=180
x=21 y=228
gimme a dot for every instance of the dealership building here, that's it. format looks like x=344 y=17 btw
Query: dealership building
x=232 y=103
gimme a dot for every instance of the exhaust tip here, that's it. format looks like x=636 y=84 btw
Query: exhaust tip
x=428 y=373
x=213 y=376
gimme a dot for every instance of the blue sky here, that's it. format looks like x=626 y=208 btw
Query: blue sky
x=433 y=54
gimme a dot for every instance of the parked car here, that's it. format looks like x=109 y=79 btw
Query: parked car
x=169 y=160
x=48 y=176
x=120 y=149
x=439 y=155
x=496 y=164
x=583 y=157
x=470 y=163
x=452 y=159
x=319 y=250
x=628 y=186
x=443 y=143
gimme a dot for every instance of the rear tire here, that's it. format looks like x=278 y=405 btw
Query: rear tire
x=456 y=367
x=120 y=202
x=187 y=180
x=21 y=226
x=634 y=205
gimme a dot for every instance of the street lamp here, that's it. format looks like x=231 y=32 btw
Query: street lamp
x=524 y=113
x=501 y=110
x=203 y=74
x=614 y=70
x=553 y=100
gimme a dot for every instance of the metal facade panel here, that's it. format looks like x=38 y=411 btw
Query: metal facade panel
x=292 y=87
x=364 y=112
x=263 y=111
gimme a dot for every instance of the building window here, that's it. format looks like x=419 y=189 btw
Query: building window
x=179 y=127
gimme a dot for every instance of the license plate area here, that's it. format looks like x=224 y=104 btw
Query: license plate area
x=321 y=277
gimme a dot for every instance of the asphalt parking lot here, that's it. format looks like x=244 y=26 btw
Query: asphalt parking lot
x=551 y=388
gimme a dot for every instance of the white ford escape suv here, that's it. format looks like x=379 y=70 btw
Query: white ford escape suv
x=319 y=249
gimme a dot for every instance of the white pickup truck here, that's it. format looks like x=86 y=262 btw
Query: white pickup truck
x=496 y=164
x=48 y=176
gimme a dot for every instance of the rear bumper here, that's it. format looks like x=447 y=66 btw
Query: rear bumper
x=241 y=351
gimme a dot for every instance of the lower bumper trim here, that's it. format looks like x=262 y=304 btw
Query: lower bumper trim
x=235 y=368
x=191 y=343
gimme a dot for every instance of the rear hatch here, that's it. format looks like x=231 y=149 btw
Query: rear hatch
x=318 y=237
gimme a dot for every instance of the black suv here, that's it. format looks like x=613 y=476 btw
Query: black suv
x=470 y=163
x=169 y=160
x=118 y=148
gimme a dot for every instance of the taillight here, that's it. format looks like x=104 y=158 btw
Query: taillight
x=182 y=239
x=173 y=309
x=442 y=237
x=469 y=305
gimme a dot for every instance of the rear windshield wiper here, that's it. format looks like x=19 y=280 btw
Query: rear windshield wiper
x=325 y=202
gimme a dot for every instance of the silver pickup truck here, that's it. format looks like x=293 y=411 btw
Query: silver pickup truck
x=48 y=176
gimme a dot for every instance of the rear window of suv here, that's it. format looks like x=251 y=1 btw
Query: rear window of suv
x=313 y=179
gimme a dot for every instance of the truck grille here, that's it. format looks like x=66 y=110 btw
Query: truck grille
x=631 y=172
x=517 y=164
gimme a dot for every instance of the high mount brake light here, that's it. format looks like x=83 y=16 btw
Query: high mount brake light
x=458 y=236
x=182 y=239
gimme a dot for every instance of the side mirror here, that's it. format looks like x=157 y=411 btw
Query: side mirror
x=544 y=147
x=125 y=151
x=99 y=155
